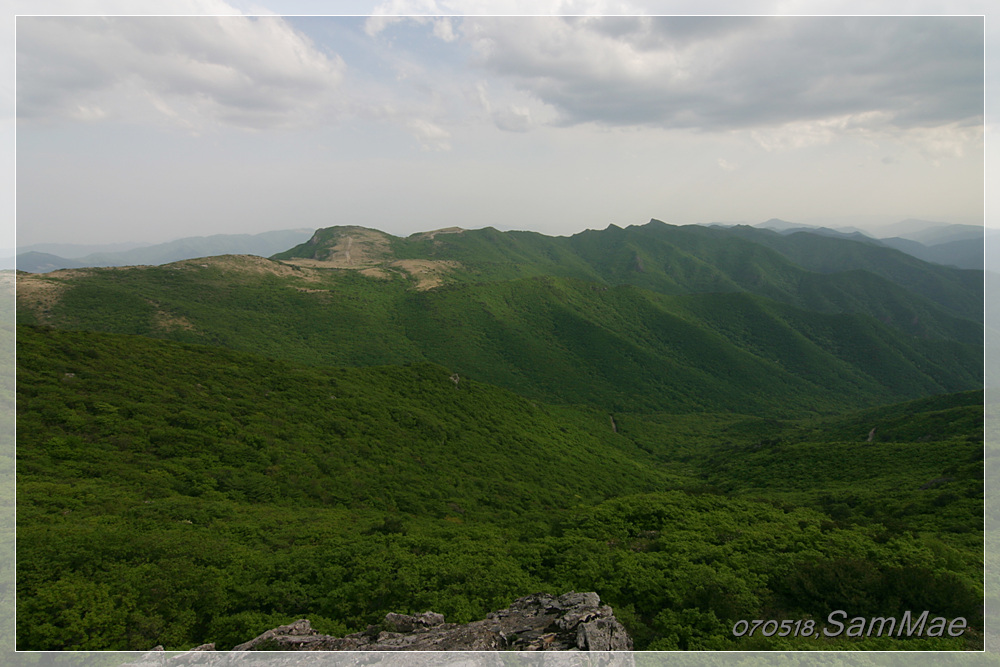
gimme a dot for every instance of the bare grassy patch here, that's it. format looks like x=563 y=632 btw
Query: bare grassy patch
x=39 y=293
x=168 y=321
x=429 y=236
x=428 y=273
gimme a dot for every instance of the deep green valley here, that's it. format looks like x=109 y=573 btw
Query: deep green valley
x=700 y=424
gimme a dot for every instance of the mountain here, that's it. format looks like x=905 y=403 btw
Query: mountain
x=263 y=244
x=172 y=492
x=779 y=225
x=959 y=291
x=963 y=253
x=648 y=318
x=40 y=262
x=826 y=231
x=955 y=245
x=701 y=425
x=78 y=250
x=663 y=258
x=931 y=233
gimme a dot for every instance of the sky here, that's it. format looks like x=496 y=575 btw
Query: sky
x=147 y=129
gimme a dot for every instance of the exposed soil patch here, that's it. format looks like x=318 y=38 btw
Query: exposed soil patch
x=429 y=236
x=428 y=273
x=356 y=248
x=248 y=264
x=306 y=263
x=370 y=253
x=376 y=272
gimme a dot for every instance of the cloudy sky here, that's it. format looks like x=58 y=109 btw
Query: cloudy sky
x=154 y=128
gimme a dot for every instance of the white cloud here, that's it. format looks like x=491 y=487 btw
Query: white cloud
x=187 y=71
x=726 y=165
x=511 y=117
x=514 y=118
x=412 y=8
x=396 y=11
x=430 y=136
x=934 y=143
x=806 y=133
x=443 y=30
x=720 y=73
x=481 y=96
x=947 y=142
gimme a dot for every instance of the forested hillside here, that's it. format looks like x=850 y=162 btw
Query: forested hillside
x=702 y=425
x=818 y=343
x=177 y=494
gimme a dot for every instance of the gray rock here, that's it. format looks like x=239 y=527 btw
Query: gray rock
x=570 y=622
x=404 y=623
x=282 y=633
x=573 y=623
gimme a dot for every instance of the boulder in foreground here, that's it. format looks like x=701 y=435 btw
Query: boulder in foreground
x=540 y=622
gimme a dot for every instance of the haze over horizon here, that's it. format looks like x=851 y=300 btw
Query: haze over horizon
x=168 y=127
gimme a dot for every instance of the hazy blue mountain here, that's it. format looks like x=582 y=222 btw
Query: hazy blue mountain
x=930 y=233
x=78 y=250
x=833 y=233
x=948 y=244
x=963 y=253
x=264 y=244
x=41 y=262
x=779 y=225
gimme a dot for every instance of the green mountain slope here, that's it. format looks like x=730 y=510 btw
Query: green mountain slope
x=692 y=259
x=698 y=424
x=384 y=437
x=956 y=290
x=561 y=340
x=172 y=494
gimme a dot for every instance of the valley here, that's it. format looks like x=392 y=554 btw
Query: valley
x=700 y=424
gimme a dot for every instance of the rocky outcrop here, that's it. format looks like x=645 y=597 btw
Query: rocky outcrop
x=570 y=622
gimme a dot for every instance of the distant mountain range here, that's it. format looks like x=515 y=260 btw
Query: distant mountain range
x=941 y=243
x=42 y=258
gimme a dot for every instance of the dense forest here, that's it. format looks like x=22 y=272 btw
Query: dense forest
x=700 y=425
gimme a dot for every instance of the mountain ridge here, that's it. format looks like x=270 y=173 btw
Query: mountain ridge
x=658 y=316
x=665 y=258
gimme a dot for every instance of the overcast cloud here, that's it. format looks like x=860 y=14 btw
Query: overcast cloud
x=155 y=128
x=718 y=74
x=190 y=71
x=701 y=73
